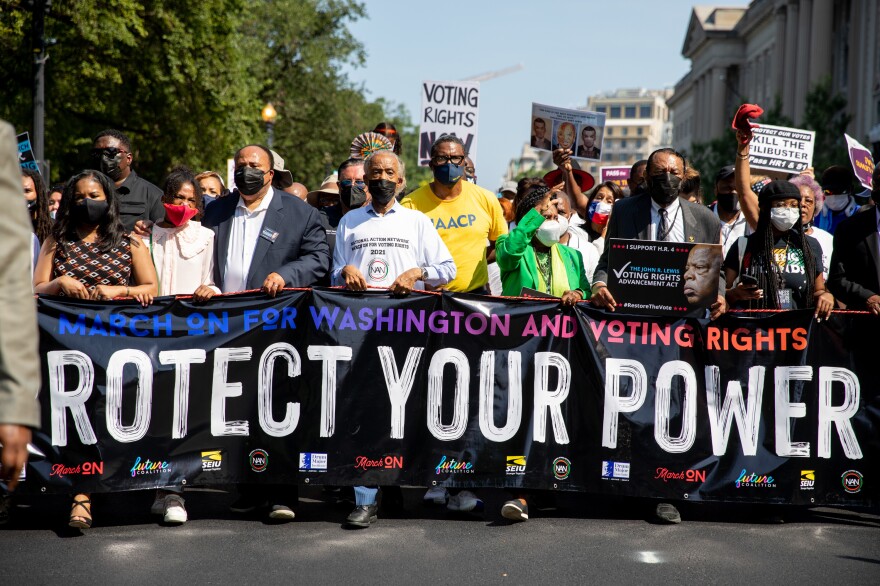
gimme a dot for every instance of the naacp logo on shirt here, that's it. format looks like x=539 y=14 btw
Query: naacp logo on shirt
x=377 y=270
x=462 y=221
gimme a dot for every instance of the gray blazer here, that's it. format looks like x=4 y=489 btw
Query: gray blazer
x=631 y=219
x=19 y=353
x=292 y=242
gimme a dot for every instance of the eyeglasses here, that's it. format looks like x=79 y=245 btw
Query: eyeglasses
x=442 y=159
x=109 y=151
x=349 y=183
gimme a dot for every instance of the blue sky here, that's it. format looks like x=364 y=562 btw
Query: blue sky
x=569 y=50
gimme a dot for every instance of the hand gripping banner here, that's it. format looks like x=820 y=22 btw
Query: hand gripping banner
x=333 y=387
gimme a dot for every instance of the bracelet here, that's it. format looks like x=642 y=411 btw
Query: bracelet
x=742 y=155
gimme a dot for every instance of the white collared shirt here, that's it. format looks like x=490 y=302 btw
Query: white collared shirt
x=673 y=211
x=243 y=235
x=732 y=231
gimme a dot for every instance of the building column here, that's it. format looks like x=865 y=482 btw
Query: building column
x=716 y=111
x=820 y=34
x=779 y=52
x=802 y=79
x=697 y=112
x=788 y=83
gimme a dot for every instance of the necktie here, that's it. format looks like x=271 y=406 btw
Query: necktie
x=663 y=229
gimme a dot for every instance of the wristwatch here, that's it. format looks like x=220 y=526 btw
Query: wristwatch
x=424 y=274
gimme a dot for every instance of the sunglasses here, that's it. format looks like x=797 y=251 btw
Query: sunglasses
x=349 y=183
x=108 y=152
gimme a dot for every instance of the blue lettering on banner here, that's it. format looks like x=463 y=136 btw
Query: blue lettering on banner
x=114 y=325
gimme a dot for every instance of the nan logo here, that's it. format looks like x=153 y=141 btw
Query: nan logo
x=808 y=479
x=310 y=462
x=561 y=468
x=852 y=481
x=259 y=460
x=516 y=465
x=212 y=460
x=377 y=269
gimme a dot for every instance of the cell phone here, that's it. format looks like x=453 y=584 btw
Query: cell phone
x=748 y=280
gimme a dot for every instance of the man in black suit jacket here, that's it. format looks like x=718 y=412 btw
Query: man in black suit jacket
x=285 y=234
x=854 y=277
x=632 y=219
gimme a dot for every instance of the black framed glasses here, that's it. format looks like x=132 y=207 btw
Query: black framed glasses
x=443 y=159
x=349 y=183
x=109 y=152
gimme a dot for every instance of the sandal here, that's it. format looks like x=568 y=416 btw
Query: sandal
x=81 y=521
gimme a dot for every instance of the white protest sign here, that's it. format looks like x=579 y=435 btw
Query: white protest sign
x=777 y=148
x=580 y=131
x=449 y=107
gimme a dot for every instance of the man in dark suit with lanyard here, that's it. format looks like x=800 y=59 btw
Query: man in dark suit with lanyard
x=854 y=277
x=265 y=239
x=659 y=214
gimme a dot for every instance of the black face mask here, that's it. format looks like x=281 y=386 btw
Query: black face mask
x=382 y=190
x=352 y=196
x=109 y=166
x=728 y=202
x=90 y=211
x=664 y=188
x=249 y=180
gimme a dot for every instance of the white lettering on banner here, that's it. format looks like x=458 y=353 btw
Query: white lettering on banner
x=786 y=410
x=181 y=359
x=838 y=415
x=748 y=417
x=221 y=390
x=615 y=368
x=329 y=355
x=487 y=396
x=265 y=378
x=546 y=399
x=75 y=400
x=143 y=396
x=398 y=384
x=663 y=411
x=456 y=429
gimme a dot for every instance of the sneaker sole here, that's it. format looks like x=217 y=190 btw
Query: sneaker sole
x=282 y=515
x=175 y=519
x=513 y=513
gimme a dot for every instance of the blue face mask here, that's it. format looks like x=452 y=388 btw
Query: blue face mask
x=448 y=174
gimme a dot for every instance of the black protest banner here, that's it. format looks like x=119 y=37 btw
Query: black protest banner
x=334 y=387
x=664 y=278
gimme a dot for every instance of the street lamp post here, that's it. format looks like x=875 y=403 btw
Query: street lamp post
x=269 y=115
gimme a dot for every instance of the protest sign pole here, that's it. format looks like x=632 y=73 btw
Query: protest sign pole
x=41 y=7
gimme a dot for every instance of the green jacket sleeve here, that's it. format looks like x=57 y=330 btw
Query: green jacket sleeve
x=510 y=247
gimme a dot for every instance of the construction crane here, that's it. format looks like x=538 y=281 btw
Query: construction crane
x=493 y=74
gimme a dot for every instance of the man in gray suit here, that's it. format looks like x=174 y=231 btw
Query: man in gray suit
x=19 y=359
x=658 y=214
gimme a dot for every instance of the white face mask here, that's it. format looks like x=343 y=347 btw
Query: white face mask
x=836 y=202
x=552 y=230
x=784 y=218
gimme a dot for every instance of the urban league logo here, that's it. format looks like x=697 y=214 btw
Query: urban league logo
x=312 y=462
x=259 y=460
x=561 y=468
x=212 y=460
x=516 y=465
x=141 y=467
x=385 y=463
x=808 y=479
x=746 y=480
x=852 y=481
x=615 y=470
x=377 y=269
x=665 y=474
x=454 y=466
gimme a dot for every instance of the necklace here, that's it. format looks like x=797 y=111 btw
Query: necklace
x=543 y=259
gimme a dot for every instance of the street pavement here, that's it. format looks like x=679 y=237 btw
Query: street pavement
x=584 y=541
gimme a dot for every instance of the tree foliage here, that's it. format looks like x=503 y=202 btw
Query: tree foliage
x=187 y=80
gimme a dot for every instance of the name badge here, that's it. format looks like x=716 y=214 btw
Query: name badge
x=269 y=234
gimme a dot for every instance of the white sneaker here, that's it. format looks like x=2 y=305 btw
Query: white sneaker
x=281 y=512
x=436 y=495
x=174 y=509
x=465 y=502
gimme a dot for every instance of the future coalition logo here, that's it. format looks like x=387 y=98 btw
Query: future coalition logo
x=746 y=480
x=143 y=467
x=453 y=466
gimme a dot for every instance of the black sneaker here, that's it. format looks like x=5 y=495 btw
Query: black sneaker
x=247 y=504
x=667 y=513
x=363 y=515
x=515 y=510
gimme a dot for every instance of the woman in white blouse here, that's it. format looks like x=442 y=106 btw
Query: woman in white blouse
x=182 y=249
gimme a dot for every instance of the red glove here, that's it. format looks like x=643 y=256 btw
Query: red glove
x=741 y=119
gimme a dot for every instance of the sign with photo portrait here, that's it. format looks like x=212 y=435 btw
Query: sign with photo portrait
x=579 y=131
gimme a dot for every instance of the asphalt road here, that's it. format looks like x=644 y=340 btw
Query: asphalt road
x=583 y=542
